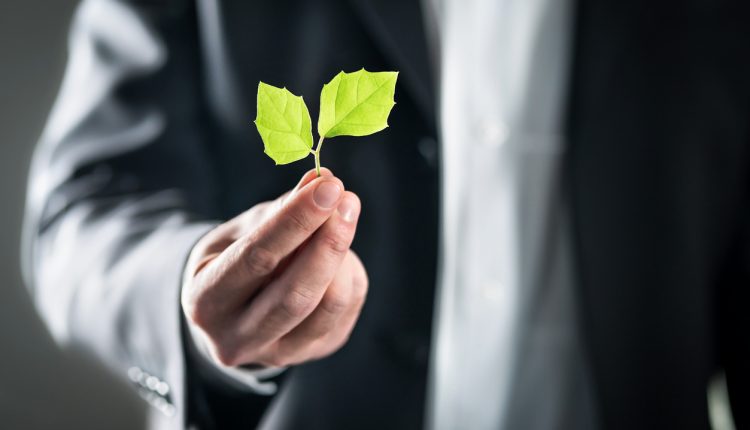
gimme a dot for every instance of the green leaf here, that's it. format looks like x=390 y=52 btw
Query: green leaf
x=284 y=124
x=356 y=104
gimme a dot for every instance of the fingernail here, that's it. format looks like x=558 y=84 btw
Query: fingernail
x=327 y=194
x=348 y=209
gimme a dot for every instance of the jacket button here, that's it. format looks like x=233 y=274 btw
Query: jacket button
x=413 y=348
x=428 y=149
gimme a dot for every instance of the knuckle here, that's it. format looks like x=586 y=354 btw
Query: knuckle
x=298 y=303
x=249 y=219
x=301 y=221
x=360 y=287
x=259 y=261
x=337 y=244
x=360 y=293
x=202 y=247
x=228 y=354
x=334 y=302
x=198 y=311
x=197 y=316
x=360 y=282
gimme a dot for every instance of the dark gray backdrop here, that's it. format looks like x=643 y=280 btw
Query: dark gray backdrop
x=41 y=387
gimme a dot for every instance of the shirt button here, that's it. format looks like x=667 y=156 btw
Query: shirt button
x=162 y=388
x=152 y=382
x=495 y=133
x=135 y=374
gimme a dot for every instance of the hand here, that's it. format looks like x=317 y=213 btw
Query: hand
x=278 y=284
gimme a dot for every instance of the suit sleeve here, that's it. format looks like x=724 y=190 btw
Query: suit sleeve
x=121 y=188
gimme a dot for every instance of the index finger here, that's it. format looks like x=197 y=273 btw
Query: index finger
x=252 y=259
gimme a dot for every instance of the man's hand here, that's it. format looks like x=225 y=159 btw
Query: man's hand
x=278 y=284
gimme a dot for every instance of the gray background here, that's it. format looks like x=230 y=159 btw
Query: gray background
x=41 y=387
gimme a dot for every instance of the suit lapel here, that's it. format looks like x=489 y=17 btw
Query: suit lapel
x=398 y=30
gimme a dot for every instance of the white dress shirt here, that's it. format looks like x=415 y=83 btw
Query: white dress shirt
x=506 y=348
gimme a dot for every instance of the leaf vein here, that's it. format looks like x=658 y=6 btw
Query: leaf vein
x=281 y=114
x=336 y=123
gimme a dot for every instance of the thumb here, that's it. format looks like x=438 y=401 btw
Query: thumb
x=306 y=179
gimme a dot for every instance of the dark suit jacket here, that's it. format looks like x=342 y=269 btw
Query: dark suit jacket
x=152 y=142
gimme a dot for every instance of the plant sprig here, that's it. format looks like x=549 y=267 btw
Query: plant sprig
x=351 y=104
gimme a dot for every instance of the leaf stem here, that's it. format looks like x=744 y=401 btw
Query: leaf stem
x=316 y=153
